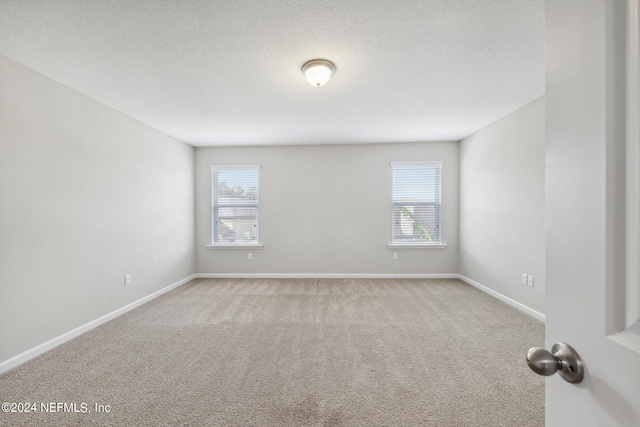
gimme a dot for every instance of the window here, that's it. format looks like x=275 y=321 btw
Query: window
x=416 y=203
x=234 y=205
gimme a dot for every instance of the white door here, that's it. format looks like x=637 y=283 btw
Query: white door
x=592 y=217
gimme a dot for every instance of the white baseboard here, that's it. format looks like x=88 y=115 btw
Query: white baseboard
x=322 y=276
x=531 y=312
x=67 y=336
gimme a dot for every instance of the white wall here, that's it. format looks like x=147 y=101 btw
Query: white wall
x=502 y=205
x=327 y=210
x=86 y=196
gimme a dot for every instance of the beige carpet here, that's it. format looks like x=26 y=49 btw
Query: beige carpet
x=218 y=352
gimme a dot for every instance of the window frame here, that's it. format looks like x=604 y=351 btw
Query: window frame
x=399 y=243
x=215 y=209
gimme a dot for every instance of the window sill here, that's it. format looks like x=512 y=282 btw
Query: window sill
x=236 y=246
x=417 y=245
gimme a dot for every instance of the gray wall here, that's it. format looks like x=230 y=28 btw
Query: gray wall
x=327 y=210
x=86 y=196
x=502 y=205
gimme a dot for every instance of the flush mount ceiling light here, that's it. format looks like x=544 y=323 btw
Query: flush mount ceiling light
x=318 y=71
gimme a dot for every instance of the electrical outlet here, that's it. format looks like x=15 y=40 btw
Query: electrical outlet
x=127 y=279
x=250 y=256
x=530 y=280
x=395 y=256
x=524 y=278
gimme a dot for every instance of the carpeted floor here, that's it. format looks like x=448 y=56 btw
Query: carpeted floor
x=294 y=352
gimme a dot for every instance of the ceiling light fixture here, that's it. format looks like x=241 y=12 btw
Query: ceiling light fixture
x=318 y=71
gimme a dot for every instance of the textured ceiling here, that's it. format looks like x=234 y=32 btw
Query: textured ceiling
x=228 y=72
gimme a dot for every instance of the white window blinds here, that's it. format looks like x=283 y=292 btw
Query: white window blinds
x=416 y=203
x=234 y=204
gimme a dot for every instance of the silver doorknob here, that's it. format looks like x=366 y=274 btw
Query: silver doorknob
x=562 y=359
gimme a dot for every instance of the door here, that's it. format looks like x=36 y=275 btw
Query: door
x=592 y=208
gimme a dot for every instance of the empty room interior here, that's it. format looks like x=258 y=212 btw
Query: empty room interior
x=293 y=213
